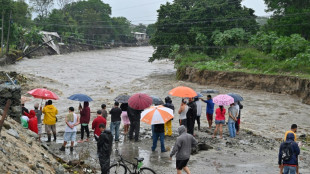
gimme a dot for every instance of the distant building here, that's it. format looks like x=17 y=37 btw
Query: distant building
x=139 y=36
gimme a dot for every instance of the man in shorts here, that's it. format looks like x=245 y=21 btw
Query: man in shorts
x=210 y=109
x=182 y=149
x=50 y=112
x=39 y=117
x=72 y=120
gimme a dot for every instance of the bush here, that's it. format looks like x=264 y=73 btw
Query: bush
x=288 y=47
x=263 y=41
x=233 y=37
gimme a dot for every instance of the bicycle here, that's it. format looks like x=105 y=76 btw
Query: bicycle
x=120 y=166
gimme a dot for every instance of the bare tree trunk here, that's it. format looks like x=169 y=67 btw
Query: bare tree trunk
x=8 y=38
x=2 y=34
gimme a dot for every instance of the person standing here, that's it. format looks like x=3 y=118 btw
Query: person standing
x=72 y=120
x=159 y=132
x=209 y=110
x=125 y=119
x=96 y=122
x=104 y=111
x=50 y=112
x=33 y=121
x=39 y=118
x=116 y=113
x=182 y=149
x=199 y=111
x=104 y=148
x=191 y=116
x=233 y=114
x=238 y=118
x=24 y=109
x=84 y=120
x=168 y=124
x=134 y=117
x=219 y=121
x=288 y=155
x=293 y=131
x=183 y=111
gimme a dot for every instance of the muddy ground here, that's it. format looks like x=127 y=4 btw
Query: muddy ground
x=106 y=73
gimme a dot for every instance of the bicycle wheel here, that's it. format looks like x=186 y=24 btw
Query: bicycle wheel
x=117 y=169
x=146 y=170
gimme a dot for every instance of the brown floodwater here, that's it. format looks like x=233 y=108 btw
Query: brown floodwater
x=104 y=74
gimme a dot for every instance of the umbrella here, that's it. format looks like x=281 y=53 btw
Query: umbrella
x=43 y=93
x=183 y=91
x=199 y=95
x=122 y=98
x=157 y=100
x=80 y=97
x=140 y=101
x=209 y=91
x=157 y=115
x=223 y=100
x=236 y=97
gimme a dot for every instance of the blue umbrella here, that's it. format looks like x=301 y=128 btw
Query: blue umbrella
x=80 y=97
x=199 y=95
x=236 y=97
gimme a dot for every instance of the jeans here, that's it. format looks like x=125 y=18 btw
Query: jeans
x=289 y=170
x=114 y=126
x=231 y=128
x=161 y=136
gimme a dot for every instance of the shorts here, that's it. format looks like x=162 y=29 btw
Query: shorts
x=70 y=136
x=209 y=117
x=219 y=121
x=49 y=128
x=181 y=164
x=39 y=128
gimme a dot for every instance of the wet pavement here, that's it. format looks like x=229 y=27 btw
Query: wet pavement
x=104 y=74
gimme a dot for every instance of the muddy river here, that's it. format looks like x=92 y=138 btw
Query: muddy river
x=104 y=74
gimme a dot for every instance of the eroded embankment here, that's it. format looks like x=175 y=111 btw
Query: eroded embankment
x=270 y=83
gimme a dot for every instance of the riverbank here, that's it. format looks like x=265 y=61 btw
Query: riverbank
x=270 y=83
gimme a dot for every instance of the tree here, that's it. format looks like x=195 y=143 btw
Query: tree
x=21 y=13
x=289 y=17
x=182 y=21
x=140 y=28
x=63 y=3
x=150 y=30
x=42 y=7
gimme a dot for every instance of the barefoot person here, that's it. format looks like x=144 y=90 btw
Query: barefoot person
x=85 y=118
x=39 y=118
x=219 y=121
x=209 y=110
x=182 y=149
x=104 y=148
x=72 y=120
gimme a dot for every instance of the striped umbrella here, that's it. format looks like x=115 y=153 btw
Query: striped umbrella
x=157 y=115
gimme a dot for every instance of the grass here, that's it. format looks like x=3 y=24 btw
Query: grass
x=247 y=60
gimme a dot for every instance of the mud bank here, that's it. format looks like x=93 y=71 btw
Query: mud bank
x=270 y=83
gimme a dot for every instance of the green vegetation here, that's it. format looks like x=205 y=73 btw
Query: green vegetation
x=230 y=39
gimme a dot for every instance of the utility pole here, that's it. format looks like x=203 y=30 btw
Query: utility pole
x=8 y=38
x=2 y=35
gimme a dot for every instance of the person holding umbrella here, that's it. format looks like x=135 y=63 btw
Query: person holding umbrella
x=84 y=120
x=50 y=112
x=219 y=121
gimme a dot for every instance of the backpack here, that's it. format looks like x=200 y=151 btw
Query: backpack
x=287 y=152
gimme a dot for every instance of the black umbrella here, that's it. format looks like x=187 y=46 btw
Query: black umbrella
x=236 y=97
x=157 y=100
x=122 y=98
x=209 y=91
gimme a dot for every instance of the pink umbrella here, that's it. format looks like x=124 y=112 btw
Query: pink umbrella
x=43 y=93
x=223 y=100
x=140 y=101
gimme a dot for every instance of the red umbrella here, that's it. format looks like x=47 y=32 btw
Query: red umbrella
x=43 y=94
x=140 y=101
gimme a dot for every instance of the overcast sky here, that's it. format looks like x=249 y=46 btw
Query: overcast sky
x=144 y=11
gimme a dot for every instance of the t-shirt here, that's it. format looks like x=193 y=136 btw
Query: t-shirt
x=199 y=108
x=220 y=115
x=68 y=129
x=116 y=114
x=95 y=125
x=234 y=112
x=39 y=115
x=104 y=113
x=210 y=106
